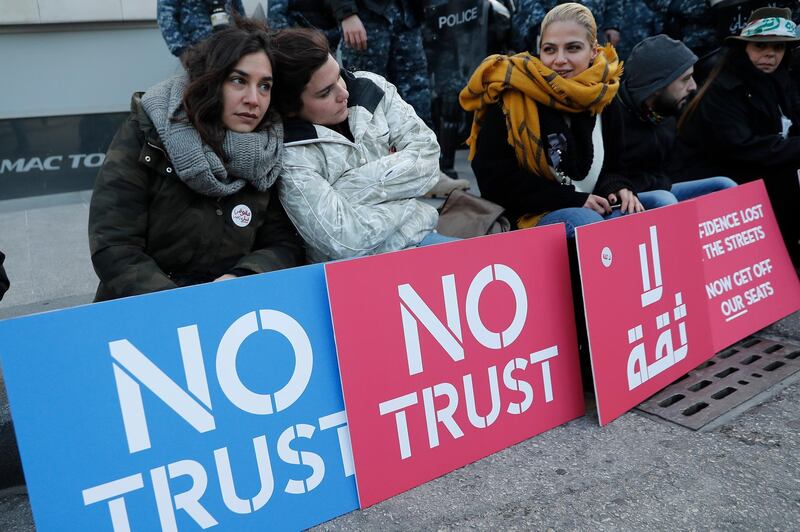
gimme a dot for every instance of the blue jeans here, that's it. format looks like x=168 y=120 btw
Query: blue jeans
x=435 y=238
x=652 y=199
x=574 y=217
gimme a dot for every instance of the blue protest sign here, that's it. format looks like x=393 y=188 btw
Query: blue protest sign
x=215 y=405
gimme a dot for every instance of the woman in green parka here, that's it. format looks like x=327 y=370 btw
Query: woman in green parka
x=184 y=195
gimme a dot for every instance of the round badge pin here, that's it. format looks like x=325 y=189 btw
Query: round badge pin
x=606 y=257
x=241 y=215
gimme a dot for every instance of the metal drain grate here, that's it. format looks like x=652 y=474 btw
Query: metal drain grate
x=724 y=382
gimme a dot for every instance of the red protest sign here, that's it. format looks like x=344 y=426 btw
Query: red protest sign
x=643 y=297
x=749 y=279
x=450 y=353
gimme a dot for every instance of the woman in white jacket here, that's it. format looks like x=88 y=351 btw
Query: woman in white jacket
x=356 y=158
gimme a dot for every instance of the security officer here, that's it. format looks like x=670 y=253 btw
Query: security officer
x=692 y=22
x=640 y=19
x=455 y=38
x=384 y=36
x=305 y=14
x=528 y=19
x=186 y=22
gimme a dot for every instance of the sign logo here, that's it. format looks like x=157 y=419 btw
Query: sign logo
x=606 y=257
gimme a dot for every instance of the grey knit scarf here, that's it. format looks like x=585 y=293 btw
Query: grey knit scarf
x=253 y=158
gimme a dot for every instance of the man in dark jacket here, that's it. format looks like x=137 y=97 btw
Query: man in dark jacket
x=656 y=86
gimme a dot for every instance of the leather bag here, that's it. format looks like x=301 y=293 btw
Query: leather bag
x=465 y=215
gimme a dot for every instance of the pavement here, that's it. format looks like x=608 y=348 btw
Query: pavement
x=637 y=473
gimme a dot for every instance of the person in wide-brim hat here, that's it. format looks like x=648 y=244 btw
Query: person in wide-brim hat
x=768 y=24
x=744 y=122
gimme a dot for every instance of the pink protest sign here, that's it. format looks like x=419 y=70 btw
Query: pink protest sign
x=452 y=352
x=645 y=309
x=749 y=278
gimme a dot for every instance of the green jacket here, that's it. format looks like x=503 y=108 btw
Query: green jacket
x=148 y=231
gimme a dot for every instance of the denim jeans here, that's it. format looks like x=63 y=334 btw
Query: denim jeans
x=435 y=238
x=574 y=217
x=653 y=199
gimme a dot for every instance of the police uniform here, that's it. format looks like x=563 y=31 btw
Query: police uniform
x=455 y=38
x=187 y=22
x=640 y=19
x=692 y=22
x=528 y=18
x=394 y=47
x=305 y=14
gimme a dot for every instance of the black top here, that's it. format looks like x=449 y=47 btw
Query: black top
x=521 y=192
x=647 y=147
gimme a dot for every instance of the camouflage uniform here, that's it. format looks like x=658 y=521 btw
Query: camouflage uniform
x=394 y=48
x=527 y=20
x=690 y=21
x=148 y=231
x=640 y=20
x=186 y=22
x=305 y=14
x=525 y=25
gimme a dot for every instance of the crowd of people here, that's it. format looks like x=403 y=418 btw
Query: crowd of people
x=267 y=152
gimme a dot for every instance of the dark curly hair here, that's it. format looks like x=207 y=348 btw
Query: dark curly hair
x=208 y=64
x=298 y=52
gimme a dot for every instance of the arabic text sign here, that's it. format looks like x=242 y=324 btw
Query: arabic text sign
x=452 y=352
x=645 y=311
x=749 y=278
x=213 y=405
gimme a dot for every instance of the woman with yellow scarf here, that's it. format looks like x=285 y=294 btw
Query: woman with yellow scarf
x=539 y=145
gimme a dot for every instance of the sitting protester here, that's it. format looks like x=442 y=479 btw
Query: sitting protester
x=547 y=134
x=656 y=86
x=357 y=155
x=184 y=195
x=745 y=121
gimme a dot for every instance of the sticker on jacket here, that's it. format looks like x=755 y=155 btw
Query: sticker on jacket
x=241 y=215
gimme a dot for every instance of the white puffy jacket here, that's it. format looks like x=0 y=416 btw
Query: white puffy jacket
x=349 y=199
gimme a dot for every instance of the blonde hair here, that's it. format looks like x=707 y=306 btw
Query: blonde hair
x=572 y=12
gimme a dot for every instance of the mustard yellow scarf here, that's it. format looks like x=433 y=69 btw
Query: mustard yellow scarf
x=521 y=81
